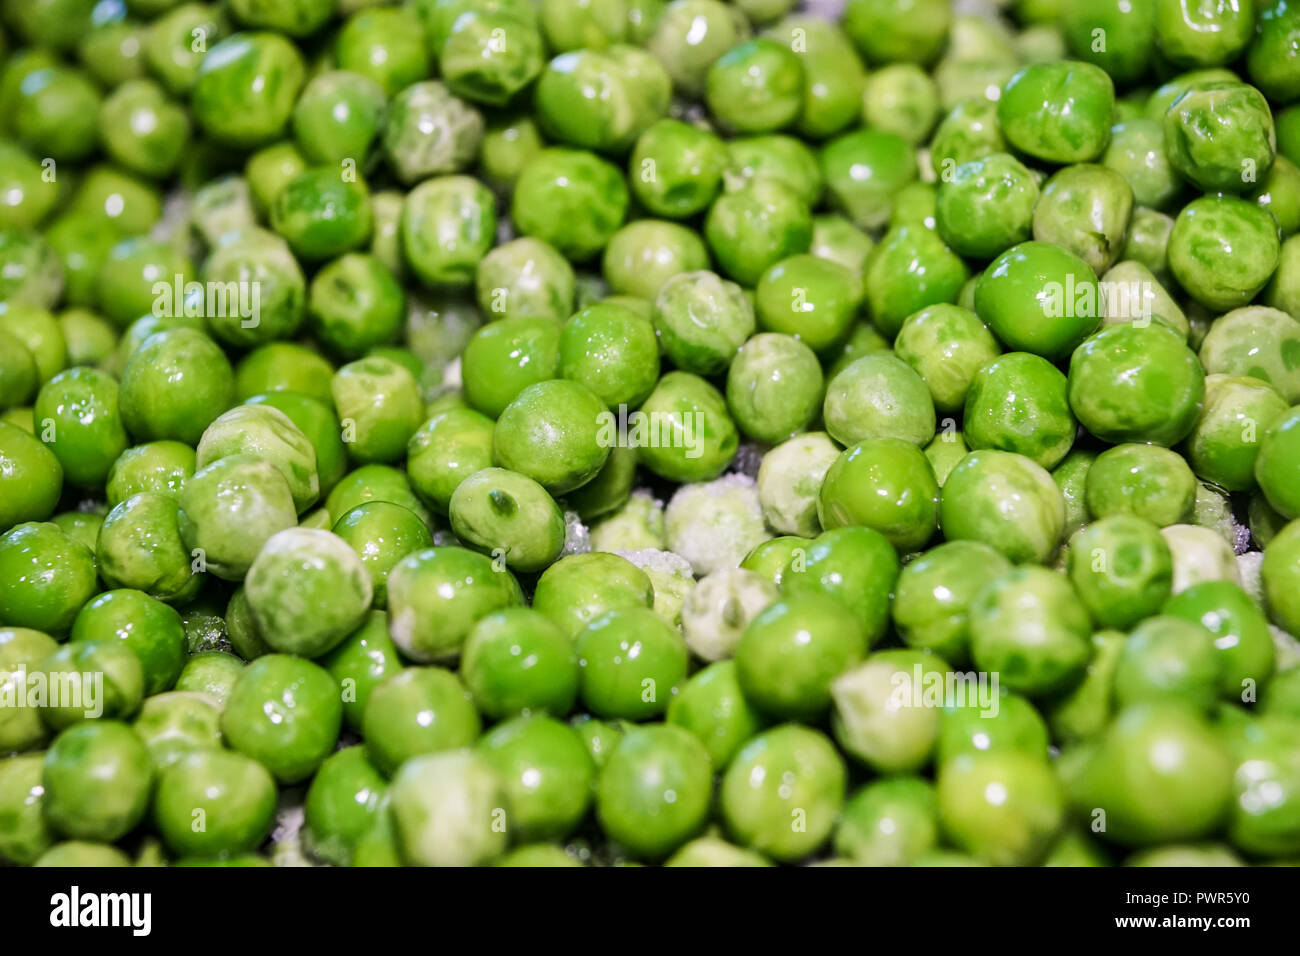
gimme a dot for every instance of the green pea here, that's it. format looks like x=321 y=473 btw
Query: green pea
x=1085 y=209
x=1008 y=723
x=418 y=710
x=790 y=480
x=509 y=142
x=611 y=350
x=1017 y=403
x=701 y=321
x=490 y=55
x=115 y=676
x=446 y=450
x=552 y=432
x=24 y=833
x=509 y=516
x=1030 y=627
x=756 y=226
x=864 y=170
x=547 y=773
x=1223 y=250
x=571 y=199
x=910 y=269
x=244 y=92
x=885 y=484
x=1039 y=298
x=579 y=588
x=1122 y=569
x=1255 y=341
x=380 y=407
x=232 y=794
x=1137 y=152
x=525 y=278
x=31 y=478
x=174 y=385
x=142 y=129
x=790 y=772
x=46 y=577
x=343 y=801
x=632 y=663
x=1058 y=112
x=812 y=298
x=435 y=597
x=986 y=206
x=755 y=87
x=601 y=99
x=448 y=809
x=675 y=169
x=838 y=240
x=387 y=45
x=211 y=674
x=516 y=661
x=1277 y=458
x=934 y=593
x=230 y=508
x=285 y=713
x=1225 y=442
x=643 y=256
x=1129 y=30
x=97 y=778
x=1004 y=807
x=881 y=716
x=857 y=566
x=792 y=651
x=448 y=225
x=879 y=396
x=1210 y=35
x=1145 y=480
x=653 y=794
x=151 y=630
x=834 y=76
x=1154 y=799
x=693 y=34
x=774 y=387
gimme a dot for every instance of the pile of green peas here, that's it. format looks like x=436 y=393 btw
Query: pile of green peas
x=586 y=432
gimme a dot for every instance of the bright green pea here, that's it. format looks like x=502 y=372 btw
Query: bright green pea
x=934 y=594
x=344 y=798
x=691 y=36
x=387 y=45
x=1005 y=500
x=419 y=710
x=1017 y=403
x=285 y=713
x=1085 y=209
x=570 y=198
x=755 y=87
x=1003 y=807
x=525 y=278
x=1145 y=480
x=174 y=385
x=114 y=675
x=380 y=407
x=1224 y=444
x=701 y=321
x=233 y=795
x=547 y=772
x=879 y=396
x=910 y=269
x=885 y=484
x=435 y=597
x=774 y=387
x=675 y=169
x=855 y=565
x=552 y=432
x=1202 y=35
x=611 y=350
x=986 y=206
x=1039 y=298
x=581 y=587
x=1222 y=250
x=490 y=55
x=812 y=298
x=509 y=516
x=448 y=226
x=631 y=662
x=644 y=255
x=97 y=779
x=1122 y=568
x=792 y=651
x=947 y=346
x=780 y=774
x=245 y=88
x=46 y=577
x=696 y=437
x=447 y=449
x=864 y=170
x=516 y=661
x=151 y=630
x=1059 y=112
x=24 y=833
x=653 y=794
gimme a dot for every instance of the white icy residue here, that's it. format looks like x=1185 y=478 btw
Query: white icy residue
x=715 y=524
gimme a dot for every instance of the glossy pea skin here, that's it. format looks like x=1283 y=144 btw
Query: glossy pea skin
x=1058 y=112
x=701 y=438
x=385 y=45
x=1277 y=458
x=1223 y=250
x=778 y=771
x=445 y=450
x=235 y=793
x=505 y=357
x=516 y=661
x=435 y=596
x=381 y=401
x=123 y=682
x=675 y=169
x=856 y=566
x=611 y=350
x=551 y=433
x=97 y=778
x=752 y=228
x=986 y=206
x=1204 y=35
x=631 y=663
x=878 y=396
x=419 y=710
x=1002 y=807
x=244 y=93
x=45 y=577
x=1085 y=209
x=1220 y=136
x=864 y=169
x=885 y=484
x=1224 y=444
x=344 y=798
x=1145 y=480
x=174 y=385
x=1017 y=403
x=31 y=477
x=774 y=387
x=1129 y=31
x=285 y=713
x=1137 y=152
x=478 y=66
x=712 y=706
x=1039 y=298
x=547 y=772
x=809 y=297
x=1122 y=569
x=756 y=86
x=833 y=73
x=579 y=588
x=1257 y=341
x=947 y=346
x=791 y=652
x=653 y=794
x=151 y=630
x=525 y=278
x=934 y=592
x=910 y=269
x=570 y=198
x=1031 y=628
x=230 y=508
x=510 y=516
x=316 y=420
